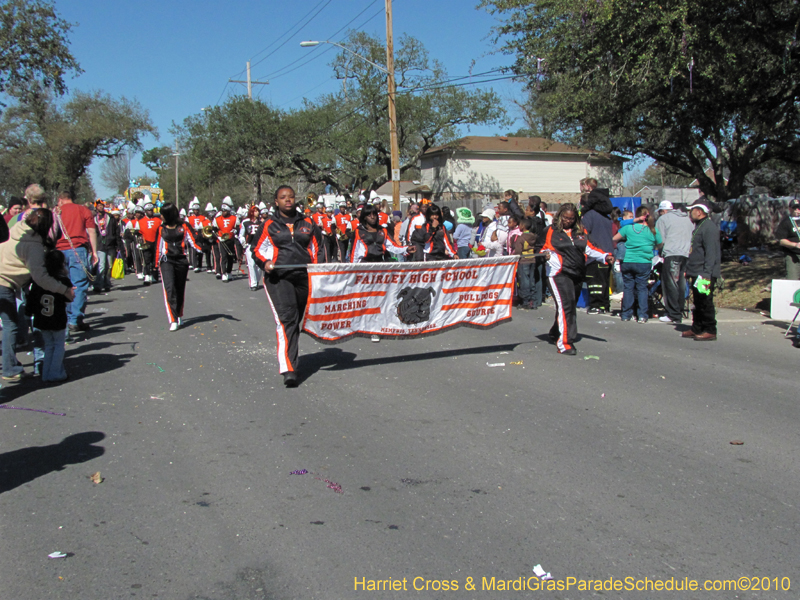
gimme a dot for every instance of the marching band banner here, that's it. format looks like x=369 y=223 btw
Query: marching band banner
x=400 y=300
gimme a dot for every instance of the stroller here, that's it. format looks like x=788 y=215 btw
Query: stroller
x=728 y=240
x=655 y=291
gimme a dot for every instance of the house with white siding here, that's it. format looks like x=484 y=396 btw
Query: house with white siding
x=487 y=166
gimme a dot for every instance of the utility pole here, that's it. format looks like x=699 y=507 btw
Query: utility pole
x=176 y=154
x=249 y=83
x=392 y=109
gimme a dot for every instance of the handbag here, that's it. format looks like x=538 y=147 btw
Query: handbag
x=118 y=269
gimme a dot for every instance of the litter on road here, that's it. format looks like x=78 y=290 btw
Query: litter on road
x=495 y=364
x=541 y=573
x=737 y=443
x=591 y=357
x=57 y=554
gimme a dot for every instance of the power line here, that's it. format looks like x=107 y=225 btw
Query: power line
x=317 y=55
x=290 y=33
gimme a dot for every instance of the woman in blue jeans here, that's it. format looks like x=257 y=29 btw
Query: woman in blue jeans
x=641 y=239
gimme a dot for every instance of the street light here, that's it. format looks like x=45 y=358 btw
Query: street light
x=389 y=70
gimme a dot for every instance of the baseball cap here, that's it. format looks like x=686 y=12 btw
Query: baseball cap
x=665 y=205
x=702 y=204
x=794 y=203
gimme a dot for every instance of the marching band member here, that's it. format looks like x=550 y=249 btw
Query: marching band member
x=147 y=229
x=132 y=259
x=437 y=241
x=371 y=242
x=246 y=233
x=174 y=238
x=342 y=227
x=416 y=232
x=225 y=225
x=287 y=238
x=329 y=234
x=566 y=248
x=197 y=222
x=211 y=213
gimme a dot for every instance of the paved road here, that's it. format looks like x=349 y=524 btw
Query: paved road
x=617 y=467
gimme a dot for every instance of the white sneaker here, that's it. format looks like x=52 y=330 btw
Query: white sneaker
x=376 y=338
x=665 y=319
x=180 y=321
x=174 y=326
x=197 y=269
x=139 y=276
x=148 y=279
x=224 y=277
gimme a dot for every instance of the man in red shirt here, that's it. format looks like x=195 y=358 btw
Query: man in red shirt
x=78 y=242
x=343 y=226
x=197 y=221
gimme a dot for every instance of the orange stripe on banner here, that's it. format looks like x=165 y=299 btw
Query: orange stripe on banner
x=324 y=299
x=478 y=288
x=489 y=266
x=477 y=304
x=344 y=315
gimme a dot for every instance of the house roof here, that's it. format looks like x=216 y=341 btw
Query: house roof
x=514 y=145
x=406 y=188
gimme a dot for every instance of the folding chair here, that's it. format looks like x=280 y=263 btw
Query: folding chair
x=797 y=314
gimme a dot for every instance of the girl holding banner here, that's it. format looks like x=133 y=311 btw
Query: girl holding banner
x=437 y=244
x=371 y=242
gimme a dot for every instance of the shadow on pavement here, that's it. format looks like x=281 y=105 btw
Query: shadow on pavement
x=207 y=318
x=335 y=359
x=79 y=367
x=19 y=467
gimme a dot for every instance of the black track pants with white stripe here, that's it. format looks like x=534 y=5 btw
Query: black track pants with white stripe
x=173 y=280
x=565 y=289
x=287 y=294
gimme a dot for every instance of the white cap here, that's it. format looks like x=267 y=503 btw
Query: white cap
x=489 y=212
x=210 y=207
x=665 y=205
x=195 y=203
x=149 y=206
x=226 y=201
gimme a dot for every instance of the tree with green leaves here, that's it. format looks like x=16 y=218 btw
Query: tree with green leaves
x=343 y=139
x=34 y=49
x=53 y=143
x=690 y=84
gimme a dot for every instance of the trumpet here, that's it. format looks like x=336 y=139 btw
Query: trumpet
x=208 y=232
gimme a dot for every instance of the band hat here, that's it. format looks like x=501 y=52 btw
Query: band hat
x=210 y=207
x=261 y=206
x=464 y=215
x=665 y=205
x=183 y=212
x=131 y=205
x=226 y=201
x=138 y=209
x=195 y=203
x=702 y=204
x=264 y=211
x=488 y=213
x=149 y=206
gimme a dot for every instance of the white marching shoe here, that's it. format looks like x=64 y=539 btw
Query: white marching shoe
x=174 y=326
x=140 y=276
x=225 y=277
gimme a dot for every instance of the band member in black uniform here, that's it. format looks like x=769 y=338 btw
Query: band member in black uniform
x=175 y=237
x=438 y=245
x=371 y=242
x=288 y=237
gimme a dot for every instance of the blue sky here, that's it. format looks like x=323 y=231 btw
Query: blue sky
x=176 y=57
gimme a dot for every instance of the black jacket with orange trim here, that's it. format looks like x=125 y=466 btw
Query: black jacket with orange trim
x=568 y=252
x=288 y=241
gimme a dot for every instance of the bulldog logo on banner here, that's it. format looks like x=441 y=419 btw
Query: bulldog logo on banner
x=401 y=300
x=415 y=305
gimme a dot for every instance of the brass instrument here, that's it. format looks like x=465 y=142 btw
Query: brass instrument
x=140 y=243
x=225 y=236
x=208 y=232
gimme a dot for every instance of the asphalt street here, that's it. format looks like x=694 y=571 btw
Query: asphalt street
x=424 y=463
